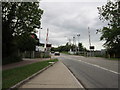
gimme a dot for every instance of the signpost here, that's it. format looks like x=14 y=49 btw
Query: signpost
x=91 y=49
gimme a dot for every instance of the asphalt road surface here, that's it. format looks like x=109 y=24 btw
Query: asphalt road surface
x=92 y=72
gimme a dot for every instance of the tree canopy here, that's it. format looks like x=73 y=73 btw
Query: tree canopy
x=19 y=22
x=21 y=17
x=67 y=48
x=111 y=33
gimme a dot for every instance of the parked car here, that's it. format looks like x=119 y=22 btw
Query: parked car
x=57 y=53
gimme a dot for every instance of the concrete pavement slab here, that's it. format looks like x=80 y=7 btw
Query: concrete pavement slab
x=57 y=76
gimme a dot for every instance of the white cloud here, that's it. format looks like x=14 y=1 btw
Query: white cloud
x=69 y=19
x=73 y=0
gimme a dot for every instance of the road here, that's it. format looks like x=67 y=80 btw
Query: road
x=92 y=72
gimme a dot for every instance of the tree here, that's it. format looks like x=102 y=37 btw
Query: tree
x=18 y=20
x=26 y=42
x=8 y=13
x=80 y=46
x=111 y=34
x=67 y=48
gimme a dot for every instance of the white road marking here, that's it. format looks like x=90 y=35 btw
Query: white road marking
x=100 y=67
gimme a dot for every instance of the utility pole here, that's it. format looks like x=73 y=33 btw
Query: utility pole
x=74 y=43
x=40 y=34
x=46 y=39
x=70 y=44
x=89 y=40
x=69 y=41
x=89 y=36
x=78 y=41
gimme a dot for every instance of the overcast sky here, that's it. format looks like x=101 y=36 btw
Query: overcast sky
x=67 y=19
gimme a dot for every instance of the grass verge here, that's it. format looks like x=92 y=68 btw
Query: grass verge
x=113 y=58
x=65 y=53
x=13 y=76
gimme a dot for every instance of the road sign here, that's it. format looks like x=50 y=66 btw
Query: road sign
x=92 y=47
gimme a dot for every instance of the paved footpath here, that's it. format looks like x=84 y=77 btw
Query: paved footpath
x=23 y=63
x=57 y=76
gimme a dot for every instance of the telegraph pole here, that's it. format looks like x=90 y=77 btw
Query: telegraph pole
x=89 y=40
x=70 y=44
x=89 y=36
x=78 y=41
x=73 y=44
x=40 y=34
x=46 y=39
x=69 y=41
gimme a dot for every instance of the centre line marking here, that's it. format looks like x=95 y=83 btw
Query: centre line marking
x=100 y=67
x=96 y=66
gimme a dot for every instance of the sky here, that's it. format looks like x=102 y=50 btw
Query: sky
x=66 y=19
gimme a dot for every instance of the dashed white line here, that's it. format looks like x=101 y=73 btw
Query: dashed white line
x=100 y=67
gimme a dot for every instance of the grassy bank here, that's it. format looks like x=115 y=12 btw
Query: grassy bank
x=13 y=76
